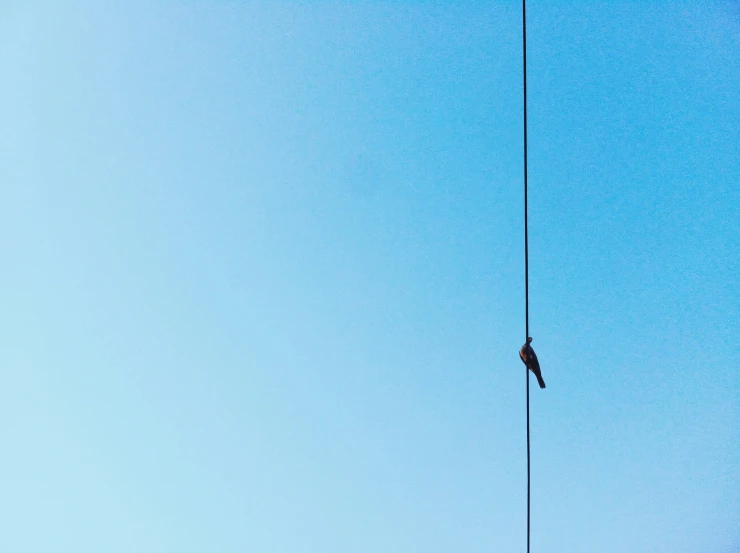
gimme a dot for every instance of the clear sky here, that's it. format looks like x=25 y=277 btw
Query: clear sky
x=262 y=277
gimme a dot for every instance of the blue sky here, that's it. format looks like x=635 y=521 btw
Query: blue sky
x=262 y=283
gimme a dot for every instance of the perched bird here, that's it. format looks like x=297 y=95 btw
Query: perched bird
x=529 y=358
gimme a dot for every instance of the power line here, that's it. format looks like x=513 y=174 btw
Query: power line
x=526 y=248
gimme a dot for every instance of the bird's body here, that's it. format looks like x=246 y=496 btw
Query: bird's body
x=529 y=358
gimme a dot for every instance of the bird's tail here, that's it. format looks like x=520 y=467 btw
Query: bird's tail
x=540 y=381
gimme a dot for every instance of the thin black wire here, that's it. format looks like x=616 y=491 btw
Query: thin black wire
x=526 y=246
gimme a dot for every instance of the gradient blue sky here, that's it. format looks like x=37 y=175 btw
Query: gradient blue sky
x=262 y=277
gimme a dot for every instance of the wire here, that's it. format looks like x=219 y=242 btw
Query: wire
x=526 y=248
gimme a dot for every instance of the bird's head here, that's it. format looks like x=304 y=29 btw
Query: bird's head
x=529 y=339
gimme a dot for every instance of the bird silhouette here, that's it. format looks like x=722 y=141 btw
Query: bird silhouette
x=529 y=358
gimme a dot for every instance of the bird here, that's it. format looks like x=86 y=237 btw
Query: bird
x=529 y=358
